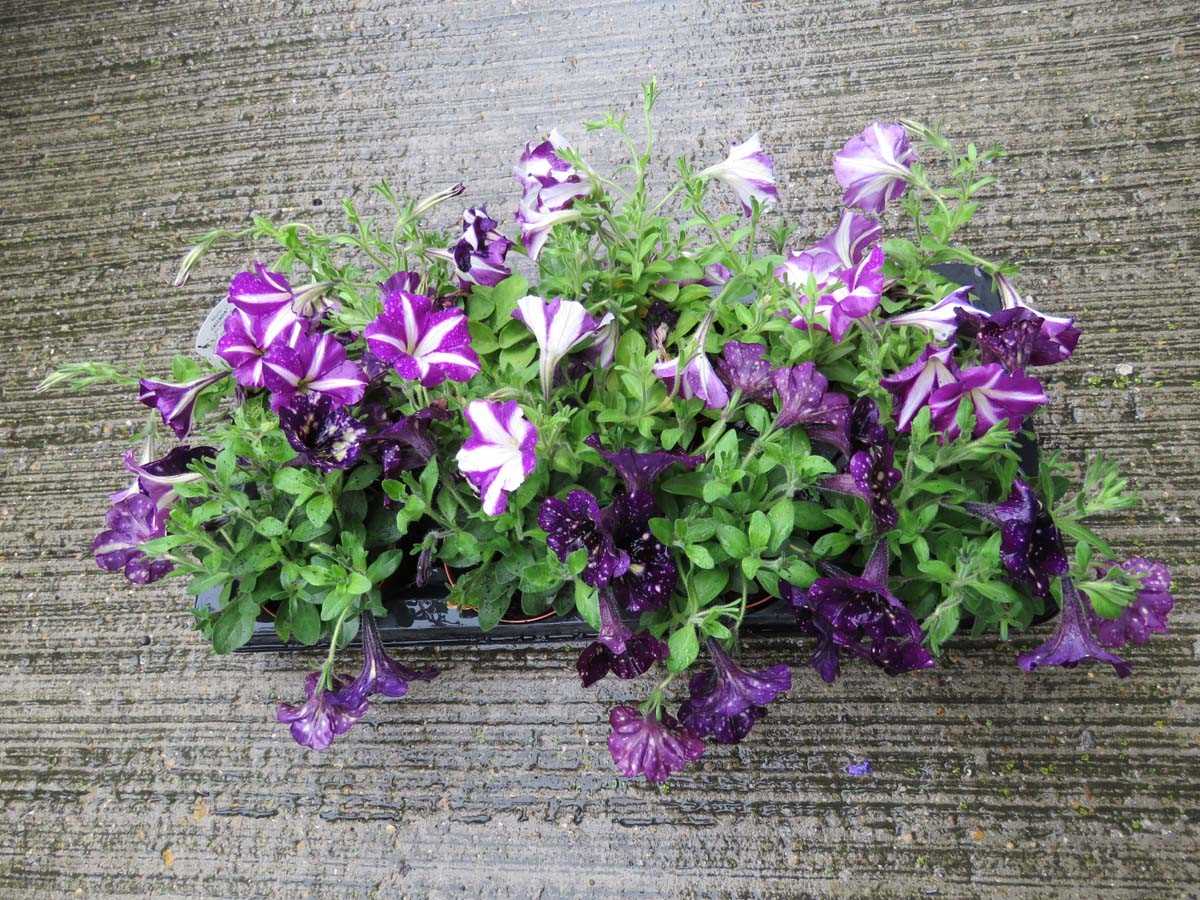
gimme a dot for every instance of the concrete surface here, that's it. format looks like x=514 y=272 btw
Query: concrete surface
x=132 y=763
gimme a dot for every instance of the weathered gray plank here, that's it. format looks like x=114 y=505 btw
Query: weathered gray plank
x=130 y=127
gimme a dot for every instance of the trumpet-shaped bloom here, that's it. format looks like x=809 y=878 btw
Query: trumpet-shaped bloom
x=871 y=476
x=248 y=338
x=1031 y=547
x=650 y=579
x=158 y=478
x=131 y=522
x=641 y=471
x=1016 y=337
x=324 y=714
x=176 y=403
x=407 y=442
x=536 y=225
x=559 y=327
x=914 y=385
x=323 y=434
x=855 y=293
x=499 y=454
x=316 y=364
x=618 y=649
x=1146 y=614
x=749 y=172
x=380 y=674
x=1058 y=329
x=421 y=344
x=480 y=252
x=1073 y=641
x=804 y=399
x=941 y=319
x=873 y=167
x=548 y=182
x=726 y=700
x=742 y=368
x=843 y=248
x=996 y=395
x=649 y=745
x=260 y=292
x=576 y=522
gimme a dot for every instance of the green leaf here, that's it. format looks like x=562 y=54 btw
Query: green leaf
x=661 y=529
x=319 y=509
x=587 y=604
x=305 y=623
x=577 y=561
x=810 y=516
x=298 y=482
x=357 y=584
x=733 y=541
x=335 y=603
x=750 y=566
x=363 y=476
x=714 y=491
x=384 y=565
x=270 y=527
x=699 y=555
x=684 y=647
x=429 y=479
x=709 y=584
x=307 y=531
x=234 y=626
x=760 y=531
x=833 y=544
x=782 y=517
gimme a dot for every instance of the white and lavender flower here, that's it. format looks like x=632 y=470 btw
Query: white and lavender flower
x=997 y=395
x=856 y=293
x=548 y=182
x=536 y=225
x=843 y=248
x=421 y=344
x=873 y=167
x=316 y=364
x=500 y=452
x=913 y=385
x=176 y=403
x=132 y=521
x=940 y=319
x=158 y=478
x=749 y=172
x=558 y=326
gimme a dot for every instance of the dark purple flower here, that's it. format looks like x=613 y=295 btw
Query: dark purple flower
x=864 y=428
x=727 y=700
x=995 y=394
x=660 y=319
x=618 y=649
x=651 y=577
x=157 y=478
x=247 y=338
x=480 y=252
x=1146 y=614
x=650 y=746
x=324 y=715
x=871 y=476
x=380 y=673
x=640 y=471
x=406 y=443
x=131 y=522
x=576 y=522
x=316 y=364
x=860 y=616
x=323 y=434
x=873 y=167
x=743 y=368
x=1058 y=333
x=1031 y=547
x=420 y=343
x=804 y=399
x=1073 y=641
x=914 y=385
x=1016 y=337
x=176 y=402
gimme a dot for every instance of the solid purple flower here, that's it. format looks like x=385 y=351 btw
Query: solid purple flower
x=1031 y=547
x=997 y=395
x=859 y=616
x=859 y=769
x=941 y=319
x=649 y=745
x=131 y=522
x=1073 y=641
x=247 y=338
x=743 y=368
x=873 y=167
x=480 y=251
x=407 y=442
x=261 y=292
x=422 y=344
x=499 y=454
x=576 y=522
x=913 y=385
x=380 y=674
x=641 y=471
x=176 y=403
x=618 y=649
x=749 y=172
x=855 y=294
x=324 y=715
x=843 y=248
x=726 y=700
x=317 y=364
x=323 y=434
x=1146 y=614
x=805 y=400
x=1016 y=337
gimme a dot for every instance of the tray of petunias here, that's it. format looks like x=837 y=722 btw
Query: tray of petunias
x=646 y=409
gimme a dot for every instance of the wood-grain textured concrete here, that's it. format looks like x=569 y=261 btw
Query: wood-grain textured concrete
x=133 y=763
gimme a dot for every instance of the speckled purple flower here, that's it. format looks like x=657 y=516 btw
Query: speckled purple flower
x=871 y=476
x=380 y=674
x=743 y=369
x=649 y=745
x=873 y=167
x=576 y=522
x=1073 y=641
x=650 y=579
x=641 y=471
x=859 y=616
x=324 y=714
x=805 y=400
x=322 y=433
x=1146 y=614
x=131 y=522
x=1016 y=337
x=727 y=700
x=407 y=442
x=1031 y=547
x=618 y=649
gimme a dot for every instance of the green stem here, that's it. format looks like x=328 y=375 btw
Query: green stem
x=327 y=668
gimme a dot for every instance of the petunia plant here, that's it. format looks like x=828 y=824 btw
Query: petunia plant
x=651 y=406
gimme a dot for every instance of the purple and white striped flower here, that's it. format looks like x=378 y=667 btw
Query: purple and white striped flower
x=559 y=326
x=536 y=225
x=873 y=167
x=499 y=454
x=749 y=172
x=248 y=337
x=696 y=377
x=420 y=344
x=842 y=248
x=996 y=395
x=480 y=251
x=176 y=402
x=857 y=293
x=317 y=364
x=131 y=522
x=158 y=478
x=912 y=386
x=260 y=292
x=549 y=183
x=940 y=319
